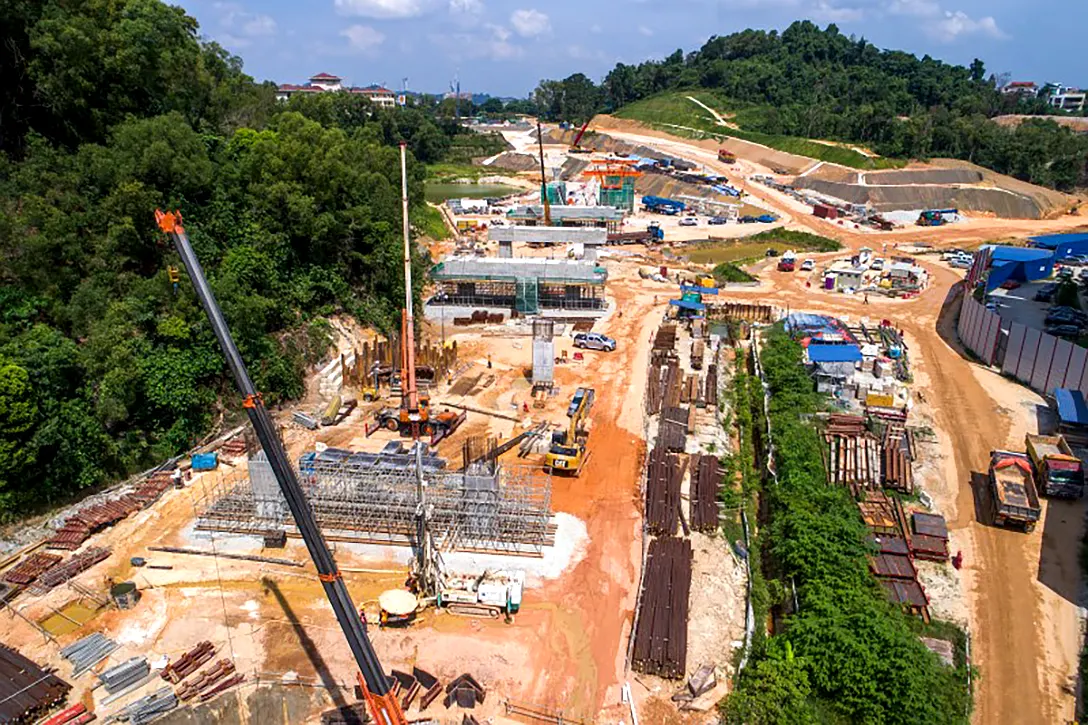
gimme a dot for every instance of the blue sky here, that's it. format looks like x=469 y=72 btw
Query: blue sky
x=504 y=47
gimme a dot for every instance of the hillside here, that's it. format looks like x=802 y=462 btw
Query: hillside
x=806 y=83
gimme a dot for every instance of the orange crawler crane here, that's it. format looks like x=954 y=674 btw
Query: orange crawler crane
x=377 y=690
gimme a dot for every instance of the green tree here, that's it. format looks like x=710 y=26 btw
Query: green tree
x=18 y=413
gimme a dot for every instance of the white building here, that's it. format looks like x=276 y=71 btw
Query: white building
x=1021 y=88
x=326 y=82
x=1066 y=98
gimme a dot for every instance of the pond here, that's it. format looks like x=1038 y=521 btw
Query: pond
x=437 y=192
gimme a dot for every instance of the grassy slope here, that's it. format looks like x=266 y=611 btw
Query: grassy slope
x=672 y=109
x=747 y=249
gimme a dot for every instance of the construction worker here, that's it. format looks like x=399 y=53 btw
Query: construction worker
x=488 y=361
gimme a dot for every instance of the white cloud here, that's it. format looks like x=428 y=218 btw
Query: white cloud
x=363 y=38
x=259 y=25
x=466 y=7
x=382 y=9
x=643 y=30
x=233 y=41
x=596 y=29
x=530 y=22
x=956 y=24
x=824 y=12
x=916 y=8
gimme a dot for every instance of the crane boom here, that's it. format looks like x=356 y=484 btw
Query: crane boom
x=543 y=178
x=578 y=138
x=376 y=687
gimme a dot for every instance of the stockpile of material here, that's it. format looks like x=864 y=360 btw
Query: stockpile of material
x=27 y=691
x=123 y=676
x=711 y=390
x=210 y=682
x=151 y=707
x=663 y=480
x=897 y=471
x=851 y=455
x=75 y=715
x=188 y=663
x=706 y=482
x=464 y=691
x=672 y=433
x=661 y=635
x=78 y=527
x=31 y=568
x=88 y=652
x=234 y=447
x=61 y=573
x=655 y=390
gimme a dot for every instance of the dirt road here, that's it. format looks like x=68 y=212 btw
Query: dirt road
x=1022 y=590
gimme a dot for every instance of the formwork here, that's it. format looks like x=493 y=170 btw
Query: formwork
x=525 y=284
x=487 y=508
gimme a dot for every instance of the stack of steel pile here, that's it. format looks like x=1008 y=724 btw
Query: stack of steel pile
x=189 y=662
x=31 y=568
x=711 y=389
x=706 y=481
x=464 y=691
x=78 y=527
x=655 y=389
x=151 y=707
x=897 y=471
x=88 y=652
x=672 y=432
x=661 y=633
x=61 y=573
x=852 y=455
x=152 y=490
x=27 y=691
x=210 y=682
x=234 y=447
x=663 y=479
x=123 y=676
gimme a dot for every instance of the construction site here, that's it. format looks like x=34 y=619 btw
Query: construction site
x=513 y=509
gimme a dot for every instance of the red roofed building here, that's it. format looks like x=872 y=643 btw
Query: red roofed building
x=1021 y=88
x=324 y=82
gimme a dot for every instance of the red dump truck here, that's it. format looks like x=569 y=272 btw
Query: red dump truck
x=1059 y=473
x=1012 y=485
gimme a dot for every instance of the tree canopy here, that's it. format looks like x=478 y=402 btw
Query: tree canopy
x=116 y=108
x=815 y=83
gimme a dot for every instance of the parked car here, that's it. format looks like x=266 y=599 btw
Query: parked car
x=717 y=220
x=1065 y=330
x=1010 y=284
x=747 y=219
x=877 y=265
x=1046 y=293
x=808 y=265
x=1076 y=260
x=689 y=221
x=594 y=341
x=766 y=218
x=771 y=252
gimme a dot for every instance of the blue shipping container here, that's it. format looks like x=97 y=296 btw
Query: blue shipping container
x=205 y=461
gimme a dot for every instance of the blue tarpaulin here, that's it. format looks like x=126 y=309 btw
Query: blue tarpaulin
x=1071 y=407
x=819 y=353
x=688 y=305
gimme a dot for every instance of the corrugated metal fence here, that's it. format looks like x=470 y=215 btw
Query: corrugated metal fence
x=1040 y=361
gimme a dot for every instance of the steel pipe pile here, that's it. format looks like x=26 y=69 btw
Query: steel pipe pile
x=663 y=478
x=27 y=691
x=61 y=573
x=151 y=707
x=188 y=663
x=672 y=432
x=207 y=679
x=120 y=677
x=88 y=652
x=661 y=633
x=705 y=485
x=30 y=568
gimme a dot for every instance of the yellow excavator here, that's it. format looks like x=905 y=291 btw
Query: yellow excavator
x=568 y=451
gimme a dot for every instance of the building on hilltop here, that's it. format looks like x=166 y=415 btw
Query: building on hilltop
x=326 y=82
x=1021 y=88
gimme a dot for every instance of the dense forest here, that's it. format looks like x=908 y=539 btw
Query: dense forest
x=815 y=83
x=108 y=110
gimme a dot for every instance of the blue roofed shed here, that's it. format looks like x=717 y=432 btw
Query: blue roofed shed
x=1064 y=245
x=1022 y=264
x=818 y=353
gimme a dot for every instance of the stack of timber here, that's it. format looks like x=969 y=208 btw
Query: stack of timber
x=705 y=485
x=664 y=475
x=661 y=633
x=852 y=455
x=27 y=691
x=897 y=470
x=690 y=389
x=29 y=569
x=665 y=339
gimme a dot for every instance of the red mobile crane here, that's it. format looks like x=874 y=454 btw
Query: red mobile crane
x=380 y=699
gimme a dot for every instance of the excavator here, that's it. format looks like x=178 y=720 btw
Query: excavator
x=376 y=686
x=568 y=450
x=575 y=148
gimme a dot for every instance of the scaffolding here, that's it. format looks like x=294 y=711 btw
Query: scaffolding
x=486 y=508
x=527 y=285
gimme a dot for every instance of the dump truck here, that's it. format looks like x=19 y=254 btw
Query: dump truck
x=1058 y=471
x=1012 y=487
x=726 y=156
